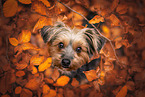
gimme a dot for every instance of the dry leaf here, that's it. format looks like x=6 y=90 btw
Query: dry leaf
x=13 y=41
x=39 y=7
x=24 y=36
x=21 y=65
x=36 y=60
x=25 y=1
x=114 y=5
x=106 y=31
x=96 y=19
x=55 y=74
x=62 y=81
x=52 y=93
x=26 y=93
x=50 y=81
x=122 y=92
x=10 y=8
x=45 y=2
x=122 y=8
x=91 y=75
x=6 y=95
x=34 y=70
x=45 y=89
x=33 y=84
x=45 y=65
x=75 y=83
x=48 y=72
x=18 y=90
x=115 y=21
x=20 y=73
x=43 y=21
x=84 y=86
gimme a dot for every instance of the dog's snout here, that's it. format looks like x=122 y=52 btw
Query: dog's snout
x=65 y=63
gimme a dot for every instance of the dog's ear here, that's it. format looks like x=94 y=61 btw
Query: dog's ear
x=95 y=41
x=48 y=33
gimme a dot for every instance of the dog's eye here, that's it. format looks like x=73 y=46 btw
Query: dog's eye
x=60 y=45
x=78 y=49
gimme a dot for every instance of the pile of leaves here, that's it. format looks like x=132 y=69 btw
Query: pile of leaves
x=25 y=64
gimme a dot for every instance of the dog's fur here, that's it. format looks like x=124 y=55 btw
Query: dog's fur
x=71 y=48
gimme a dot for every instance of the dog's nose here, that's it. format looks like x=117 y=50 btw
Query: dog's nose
x=65 y=63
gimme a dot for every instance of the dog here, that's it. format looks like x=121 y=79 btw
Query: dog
x=70 y=48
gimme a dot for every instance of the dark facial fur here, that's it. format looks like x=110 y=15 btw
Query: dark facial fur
x=71 y=48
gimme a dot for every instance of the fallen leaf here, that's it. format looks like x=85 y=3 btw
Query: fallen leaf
x=114 y=5
x=62 y=81
x=122 y=92
x=45 y=2
x=25 y=1
x=52 y=93
x=122 y=8
x=6 y=95
x=36 y=60
x=26 y=93
x=84 y=86
x=20 y=73
x=21 y=65
x=96 y=19
x=10 y=8
x=106 y=31
x=50 y=81
x=18 y=90
x=33 y=84
x=13 y=41
x=91 y=75
x=45 y=64
x=115 y=21
x=55 y=74
x=75 y=83
x=34 y=70
x=24 y=36
x=48 y=72
x=45 y=89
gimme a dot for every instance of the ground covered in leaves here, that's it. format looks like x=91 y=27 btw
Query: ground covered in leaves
x=25 y=64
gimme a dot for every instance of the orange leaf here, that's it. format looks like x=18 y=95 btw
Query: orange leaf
x=20 y=73
x=26 y=93
x=10 y=8
x=75 y=83
x=13 y=41
x=96 y=19
x=45 y=65
x=52 y=93
x=6 y=95
x=34 y=70
x=43 y=21
x=24 y=36
x=115 y=21
x=122 y=92
x=25 y=1
x=45 y=89
x=106 y=31
x=48 y=72
x=91 y=75
x=55 y=74
x=18 y=90
x=33 y=84
x=21 y=65
x=36 y=60
x=39 y=7
x=50 y=81
x=45 y=2
x=62 y=81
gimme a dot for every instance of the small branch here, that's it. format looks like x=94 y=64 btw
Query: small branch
x=92 y=26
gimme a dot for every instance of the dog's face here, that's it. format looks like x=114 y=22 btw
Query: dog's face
x=71 y=48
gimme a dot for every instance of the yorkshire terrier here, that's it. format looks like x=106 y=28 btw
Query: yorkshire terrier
x=70 y=49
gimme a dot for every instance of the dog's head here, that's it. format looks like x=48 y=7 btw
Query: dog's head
x=71 y=48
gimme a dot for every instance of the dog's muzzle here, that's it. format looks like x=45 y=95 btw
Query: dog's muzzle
x=65 y=63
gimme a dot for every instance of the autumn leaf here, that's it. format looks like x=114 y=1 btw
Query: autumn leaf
x=96 y=19
x=115 y=21
x=20 y=73
x=33 y=84
x=26 y=93
x=50 y=81
x=24 y=36
x=122 y=92
x=45 y=65
x=36 y=60
x=10 y=8
x=25 y=1
x=55 y=74
x=13 y=41
x=91 y=75
x=106 y=31
x=18 y=90
x=52 y=93
x=75 y=83
x=43 y=21
x=21 y=65
x=45 y=89
x=34 y=70
x=5 y=95
x=45 y=2
x=62 y=81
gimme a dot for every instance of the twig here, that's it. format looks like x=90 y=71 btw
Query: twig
x=92 y=26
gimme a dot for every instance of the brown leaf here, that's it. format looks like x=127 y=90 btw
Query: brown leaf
x=49 y=81
x=20 y=73
x=45 y=65
x=114 y=4
x=75 y=83
x=25 y=1
x=62 y=81
x=36 y=60
x=10 y=8
x=45 y=89
x=91 y=75
x=33 y=84
x=55 y=74
x=96 y=19
x=13 y=41
x=122 y=92
x=24 y=36
x=115 y=21
x=6 y=95
x=122 y=8
x=45 y=2
x=21 y=65
x=26 y=93
x=52 y=93
x=18 y=90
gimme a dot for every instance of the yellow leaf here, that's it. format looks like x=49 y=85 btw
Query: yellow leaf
x=96 y=19
x=10 y=8
x=62 y=81
x=36 y=60
x=43 y=21
x=13 y=41
x=45 y=65
x=39 y=7
x=122 y=92
x=45 y=2
x=25 y=1
x=34 y=70
x=18 y=90
x=24 y=36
